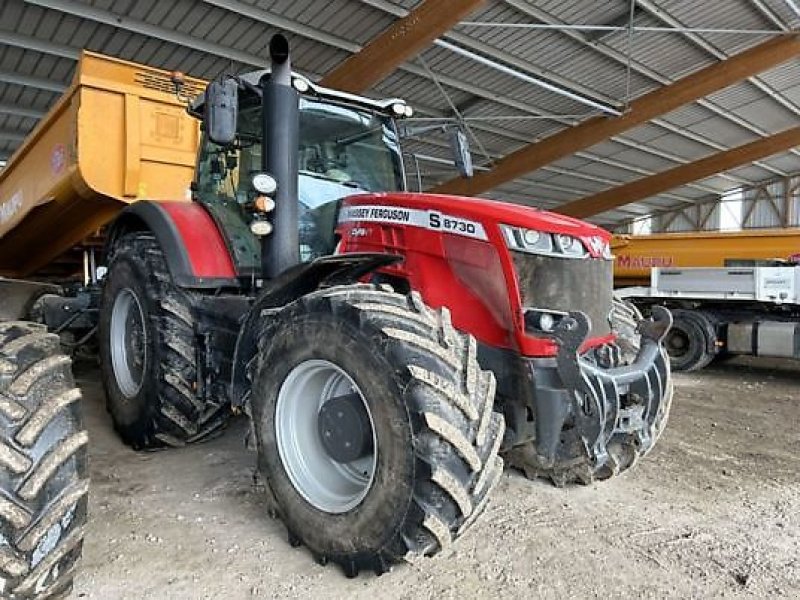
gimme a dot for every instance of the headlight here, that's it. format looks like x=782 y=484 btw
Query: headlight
x=570 y=246
x=260 y=227
x=264 y=183
x=542 y=242
x=542 y=321
x=301 y=85
x=527 y=240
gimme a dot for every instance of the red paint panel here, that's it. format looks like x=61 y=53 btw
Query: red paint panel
x=203 y=241
x=474 y=278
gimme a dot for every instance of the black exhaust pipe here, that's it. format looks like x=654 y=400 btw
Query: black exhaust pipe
x=280 y=123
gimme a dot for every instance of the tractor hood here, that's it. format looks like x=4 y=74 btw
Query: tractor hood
x=414 y=209
x=484 y=210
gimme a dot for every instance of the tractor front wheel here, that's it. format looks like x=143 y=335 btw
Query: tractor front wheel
x=376 y=432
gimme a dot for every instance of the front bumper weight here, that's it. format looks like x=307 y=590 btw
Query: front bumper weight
x=600 y=403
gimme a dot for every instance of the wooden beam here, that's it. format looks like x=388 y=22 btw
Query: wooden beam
x=658 y=102
x=667 y=180
x=404 y=39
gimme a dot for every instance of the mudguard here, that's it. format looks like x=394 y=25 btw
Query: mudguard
x=196 y=253
x=339 y=269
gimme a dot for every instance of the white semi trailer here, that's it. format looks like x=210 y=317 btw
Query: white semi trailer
x=725 y=311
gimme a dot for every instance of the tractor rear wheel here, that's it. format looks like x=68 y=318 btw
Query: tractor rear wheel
x=148 y=351
x=44 y=478
x=376 y=433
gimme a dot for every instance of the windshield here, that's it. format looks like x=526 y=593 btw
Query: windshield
x=343 y=150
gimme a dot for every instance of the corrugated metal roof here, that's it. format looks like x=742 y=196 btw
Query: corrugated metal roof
x=206 y=38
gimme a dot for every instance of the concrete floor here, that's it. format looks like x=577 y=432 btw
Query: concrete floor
x=714 y=511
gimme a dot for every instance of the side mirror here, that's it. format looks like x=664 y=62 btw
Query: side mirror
x=221 y=110
x=460 y=147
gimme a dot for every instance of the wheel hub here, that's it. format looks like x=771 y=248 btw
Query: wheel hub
x=128 y=342
x=325 y=436
x=677 y=342
x=344 y=428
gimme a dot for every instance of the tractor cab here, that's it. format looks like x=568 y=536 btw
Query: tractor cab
x=347 y=145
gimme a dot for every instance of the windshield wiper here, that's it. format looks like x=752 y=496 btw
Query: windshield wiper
x=315 y=175
x=351 y=184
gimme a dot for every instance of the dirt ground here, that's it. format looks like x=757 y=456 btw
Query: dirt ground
x=713 y=511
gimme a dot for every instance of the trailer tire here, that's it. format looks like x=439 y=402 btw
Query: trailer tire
x=148 y=351
x=690 y=342
x=44 y=480
x=430 y=408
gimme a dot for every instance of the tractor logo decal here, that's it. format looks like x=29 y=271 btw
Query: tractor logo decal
x=426 y=219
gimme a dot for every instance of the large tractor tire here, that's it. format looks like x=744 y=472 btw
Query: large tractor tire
x=625 y=317
x=623 y=450
x=148 y=352
x=376 y=433
x=44 y=476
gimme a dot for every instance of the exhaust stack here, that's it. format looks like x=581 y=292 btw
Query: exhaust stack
x=280 y=134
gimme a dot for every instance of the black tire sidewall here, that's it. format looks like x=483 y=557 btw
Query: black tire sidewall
x=376 y=520
x=130 y=415
x=48 y=384
x=697 y=351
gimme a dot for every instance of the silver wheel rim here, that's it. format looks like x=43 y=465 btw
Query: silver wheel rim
x=327 y=485
x=128 y=342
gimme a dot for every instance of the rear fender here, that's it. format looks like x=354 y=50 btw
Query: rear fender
x=195 y=251
x=339 y=269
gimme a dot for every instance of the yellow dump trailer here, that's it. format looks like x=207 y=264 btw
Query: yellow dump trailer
x=118 y=134
x=635 y=255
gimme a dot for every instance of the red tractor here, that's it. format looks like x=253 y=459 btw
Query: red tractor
x=535 y=289
x=303 y=287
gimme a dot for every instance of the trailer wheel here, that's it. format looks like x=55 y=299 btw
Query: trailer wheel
x=44 y=479
x=690 y=341
x=148 y=352
x=376 y=433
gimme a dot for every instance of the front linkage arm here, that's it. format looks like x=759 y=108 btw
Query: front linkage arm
x=602 y=404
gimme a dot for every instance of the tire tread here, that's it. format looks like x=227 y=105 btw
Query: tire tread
x=457 y=434
x=44 y=431
x=179 y=415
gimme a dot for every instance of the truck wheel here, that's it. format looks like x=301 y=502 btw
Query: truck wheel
x=44 y=479
x=376 y=433
x=690 y=340
x=148 y=352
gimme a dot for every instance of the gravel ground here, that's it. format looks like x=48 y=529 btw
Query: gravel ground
x=713 y=511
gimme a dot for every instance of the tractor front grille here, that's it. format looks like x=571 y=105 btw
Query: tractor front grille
x=567 y=284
